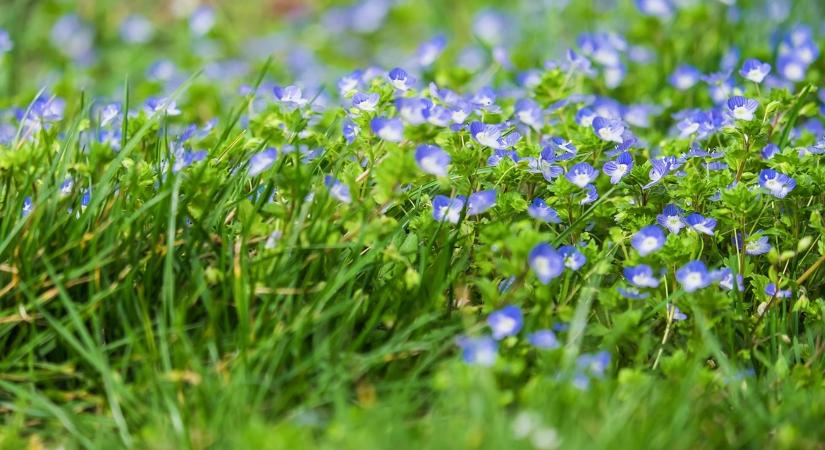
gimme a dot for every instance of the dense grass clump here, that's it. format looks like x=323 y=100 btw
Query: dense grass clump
x=383 y=224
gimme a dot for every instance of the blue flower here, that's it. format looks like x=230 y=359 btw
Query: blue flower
x=484 y=98
x=758 y=246
x=632 y=293
x=429 y=51
x=498 y=155
x=590 y=195
x=725 y=278
x=543 y=339
x=349 y=83
x=772 y=291
x=546 y=262
x=490 y=135
x=617 y=169
x=585 y=117
x=432 y=159
x=184 y=159
x=685 y=77
x=755 y=70
x=202 y=20
x=505 y=322
x=701 y=223
x=693 y=276
x=741 y=108
x=28 y=206
x=337 y=189
x=648 y=240
x=480 y=202
x=675 y=313
x=578 y=63
x=391 y=130
x=610 y=130
x=641 y=276
x=480 y=351
x=595 y=364
x=5 y=42
x=400 y=79
x=449 y=209
x=109 y=113
x=539 y=210
x=573 y=258
x=350 y=130
x=74 y=38
x=529 y=113
x=155 y=105
x=414 y=111
x=662 y=9
x=778 y=184
x=791 y=67
x=559 y=149
x=136 y=29
x=582 y=174
x=291 y=95
x=262 y=161
x=365 y=102
x=671 y=218
x=661 y=167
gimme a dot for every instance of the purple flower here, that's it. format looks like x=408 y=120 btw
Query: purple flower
x=481 y=351
x=641 y=276
x=648 y=240
x=755 y=70
x=432 y=159
x=772 y=291
x=543 y=339
x=546 y=262
x=701 y=223
x=5 y=42
x=582 y=174
x=449 y=209
x=261 y=161
x=693 y=276
x=617 y=169
x=741 y=108
x=391 y=130
x=573 y=258
x=480 y=202
x=671 y=218
x=505 y=322
x=540 y=211
x=778 y=184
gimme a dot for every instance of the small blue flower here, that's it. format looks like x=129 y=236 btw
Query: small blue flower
x=675 y=313
x=391 y=130
x=590 y=195
x=632 y=293
x=791 y=67
x=725 y=278
x=662 y=9
x=350 y=130
x=685 y=77
x=648 y=240
x=585 y=117
x=755 y=70
x=671 y=218
x=155 y=105
x=539 y=210
x=5 y=42
x=109 y=113
x=184 y=159
x=499 y=155
x=506 y=284
x=202 y=20
x=595 y=364
x=448 y=209
x=491 y=135
x=741 y=108
x=290 y=95
x=429 y=51
x=262 y=161
x=480 y=202
x=778 y=184
x=136 y=29
x=693 y=276
x=400 y=79
x=701 y=223
x=543 y=339
x=529 y=113
x=772 y=291
x=337 y=189
x=28 y=206
x=582 y=174
x=414 y=111
x=758 y=246
x=610 y=130
x=546 y=262
x=617 y=169
x=349 y=83
x=432 y=159
x=480 y=351
x=558 y=149
x=641 y=276
x=573 y=258
x=505 y=322
x=365 y=102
